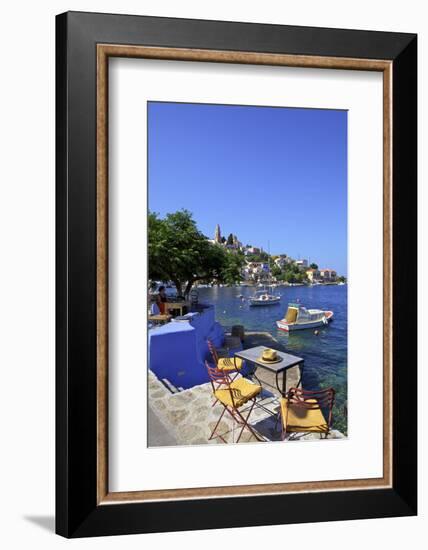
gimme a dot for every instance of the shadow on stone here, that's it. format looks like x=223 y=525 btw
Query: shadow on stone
x=267 y=428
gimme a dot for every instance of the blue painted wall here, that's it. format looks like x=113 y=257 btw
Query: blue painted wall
x=177 y=350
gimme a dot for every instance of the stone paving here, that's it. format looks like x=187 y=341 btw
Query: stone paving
x=189 y=416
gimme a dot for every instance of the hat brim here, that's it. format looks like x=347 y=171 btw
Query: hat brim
x=278 y=360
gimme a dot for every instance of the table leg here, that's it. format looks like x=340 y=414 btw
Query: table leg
x=282 y=389
x=299 y=383
x=252 y=373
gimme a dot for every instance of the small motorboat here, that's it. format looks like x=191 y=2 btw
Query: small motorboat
x=264 y=298
x=298 y=318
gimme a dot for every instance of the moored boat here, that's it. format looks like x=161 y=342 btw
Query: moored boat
x=298 y=318
x=264 y=298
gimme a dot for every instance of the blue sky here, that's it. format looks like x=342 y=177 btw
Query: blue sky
x=273 y=176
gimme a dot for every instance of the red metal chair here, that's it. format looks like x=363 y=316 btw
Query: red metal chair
x=233 y=395
x=228 y=365
x=301 y=411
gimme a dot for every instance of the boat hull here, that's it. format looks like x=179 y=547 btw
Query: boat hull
x=289 y=327
x=257 y=303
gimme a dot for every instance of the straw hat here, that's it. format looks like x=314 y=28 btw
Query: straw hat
x=269 y=356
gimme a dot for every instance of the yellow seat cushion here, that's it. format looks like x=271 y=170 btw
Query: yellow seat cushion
x=301 y=419
x=230 y=364
x=242 y=391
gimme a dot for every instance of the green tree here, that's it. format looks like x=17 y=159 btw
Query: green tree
x=313 y=266
x=230 y=239
x=290 y=277
x=180 y=253
x=262 y=257
x=232 y=270
x=275 y=270
x=292 y=274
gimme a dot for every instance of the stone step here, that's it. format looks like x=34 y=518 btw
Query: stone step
x=170 y=386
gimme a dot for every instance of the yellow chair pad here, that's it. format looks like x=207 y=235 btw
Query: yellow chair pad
x=301 y=419
x=242 y=391
x=228 y=364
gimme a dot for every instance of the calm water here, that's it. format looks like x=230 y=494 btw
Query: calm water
x=325 y=355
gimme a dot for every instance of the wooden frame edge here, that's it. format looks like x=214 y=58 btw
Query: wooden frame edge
x=104 y=51
x=387 y=273
x=240 y=57
x=102 y=271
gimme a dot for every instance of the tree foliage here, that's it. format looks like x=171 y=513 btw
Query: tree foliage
x=180 y=253
x=262 y=257
x=292 y=274
x=274 y=269
x=313 y=266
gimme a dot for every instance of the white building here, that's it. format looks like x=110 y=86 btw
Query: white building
x=217 y=234
x=282 y=261
x=255 y=270
x=313 y=275
x=252 y=250
x=302 y=263
x=328 y=274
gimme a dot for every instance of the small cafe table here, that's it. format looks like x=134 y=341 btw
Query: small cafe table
x=252 y=355
x=159 y=318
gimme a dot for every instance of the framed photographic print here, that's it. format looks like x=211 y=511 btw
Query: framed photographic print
x=236 y=242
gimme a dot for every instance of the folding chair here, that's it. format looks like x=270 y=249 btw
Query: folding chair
x=228 y=365
x=233 y=395
x=301 y=411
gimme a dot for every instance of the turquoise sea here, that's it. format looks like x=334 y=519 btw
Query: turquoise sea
x=325 y=354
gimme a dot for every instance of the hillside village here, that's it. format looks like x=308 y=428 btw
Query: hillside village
x=261 y=267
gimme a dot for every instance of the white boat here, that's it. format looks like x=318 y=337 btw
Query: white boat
x=298 y=318
x=264 y=298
